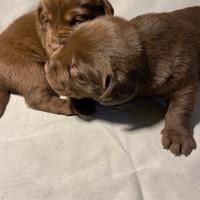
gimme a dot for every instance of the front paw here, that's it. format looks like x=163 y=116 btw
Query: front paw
x=178 y=142
x=84 y=108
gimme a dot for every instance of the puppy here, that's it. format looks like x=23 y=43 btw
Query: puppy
x=112 y=60
x=27 y=43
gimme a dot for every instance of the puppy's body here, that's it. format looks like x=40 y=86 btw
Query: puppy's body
x=172 y=48
x=26 y=44
x=22 y=58
x=112 y=60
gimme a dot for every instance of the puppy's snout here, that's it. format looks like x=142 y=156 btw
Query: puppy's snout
x=54 y=46
x=57 y=42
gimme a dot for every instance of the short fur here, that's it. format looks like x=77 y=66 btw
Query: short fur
x=26 y=44
x=112 y=60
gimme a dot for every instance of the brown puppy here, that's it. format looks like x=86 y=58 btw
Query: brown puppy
x=26 y=44
x=112 y=60
x=57 y=19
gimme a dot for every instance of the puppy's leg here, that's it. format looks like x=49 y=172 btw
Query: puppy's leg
x=177 y=133
x=4 y=98
x=48 y=101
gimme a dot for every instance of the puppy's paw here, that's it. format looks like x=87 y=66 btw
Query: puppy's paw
x=84 y=108
x=179 y=143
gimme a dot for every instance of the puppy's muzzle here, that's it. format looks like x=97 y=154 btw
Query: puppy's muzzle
x=57 y=42
x=59 y=38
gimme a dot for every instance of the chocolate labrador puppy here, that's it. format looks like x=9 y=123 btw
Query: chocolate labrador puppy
x=26 y=44
x=113 y=60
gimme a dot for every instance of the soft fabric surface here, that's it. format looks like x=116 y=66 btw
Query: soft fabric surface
x=117 y=156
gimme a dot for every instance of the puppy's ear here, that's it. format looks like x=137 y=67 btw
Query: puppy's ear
x=109 y=10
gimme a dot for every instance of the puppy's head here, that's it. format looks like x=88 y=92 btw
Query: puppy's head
x=102 y=61
x=57 y=18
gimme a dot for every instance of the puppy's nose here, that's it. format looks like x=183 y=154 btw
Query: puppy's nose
x=54 y=46
x=56 y=43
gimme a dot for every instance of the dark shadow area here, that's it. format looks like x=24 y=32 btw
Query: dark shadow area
x=138 y=113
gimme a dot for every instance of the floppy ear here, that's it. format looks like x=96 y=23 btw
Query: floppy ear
x=107 y=7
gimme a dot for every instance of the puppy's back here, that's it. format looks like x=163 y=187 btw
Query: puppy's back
x=180 y=21
x=20 y=49
x=191 y=14
x=20 y=38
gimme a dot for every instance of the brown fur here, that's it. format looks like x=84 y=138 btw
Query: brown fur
x=26 y=44
x=112 y=60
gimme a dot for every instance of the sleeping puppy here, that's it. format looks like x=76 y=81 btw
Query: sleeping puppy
x=26 y=44
x=57 y=19
x=112 y=60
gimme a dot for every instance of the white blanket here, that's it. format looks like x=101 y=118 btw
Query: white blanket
x=117 y=156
